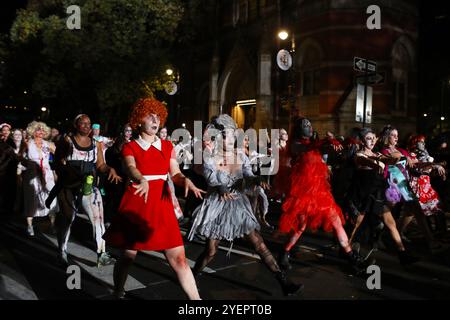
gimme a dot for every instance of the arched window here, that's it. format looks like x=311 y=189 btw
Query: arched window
x=401 y=64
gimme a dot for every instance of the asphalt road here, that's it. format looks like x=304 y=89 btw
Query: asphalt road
x=29 y=270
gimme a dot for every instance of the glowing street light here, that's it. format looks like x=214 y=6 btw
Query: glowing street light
x=43 y=109
x=425 y=115
x=443 y=118
x=283 y=35
x=169 y=72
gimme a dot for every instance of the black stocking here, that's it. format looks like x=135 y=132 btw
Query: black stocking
x=261 y=248
x=206 y=256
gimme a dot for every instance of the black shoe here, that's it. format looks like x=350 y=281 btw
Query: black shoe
x=357 y=262
x=283 y=260
x=287 y=286
x=405 y=258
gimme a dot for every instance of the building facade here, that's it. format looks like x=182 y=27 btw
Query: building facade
x=236 y=72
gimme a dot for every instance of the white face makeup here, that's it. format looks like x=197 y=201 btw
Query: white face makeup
x=17 y=136
x=370 y=140
x=150 y=124
x=246 y=142
x=421 y=145
x=163 y=134
x=283 y=135
x=393 y=138
x=307 y=130
x=127 y=132
x=229 y=139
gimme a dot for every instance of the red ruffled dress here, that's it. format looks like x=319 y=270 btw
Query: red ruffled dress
x=151 y=225
x=310 y=198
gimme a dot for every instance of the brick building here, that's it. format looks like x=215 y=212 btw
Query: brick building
x=235 y=71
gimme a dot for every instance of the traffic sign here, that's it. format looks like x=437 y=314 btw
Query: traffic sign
x=373 y=78
x=360 y=64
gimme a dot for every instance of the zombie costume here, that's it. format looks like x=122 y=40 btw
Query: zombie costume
x=225 y=220
x=420 y=181
x=397 y=176
x=310 y=200
x=38 y=180
x=77 y=192
x=150 y=225
x=369 y=191
x=256 y=194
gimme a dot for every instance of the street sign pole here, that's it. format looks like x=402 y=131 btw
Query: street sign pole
x=366 y=80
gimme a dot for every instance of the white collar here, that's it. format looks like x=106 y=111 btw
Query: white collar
x=145 y=145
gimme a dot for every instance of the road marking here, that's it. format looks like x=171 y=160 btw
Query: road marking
x=87 y=260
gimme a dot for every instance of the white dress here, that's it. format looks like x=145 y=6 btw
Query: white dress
x=38 y=180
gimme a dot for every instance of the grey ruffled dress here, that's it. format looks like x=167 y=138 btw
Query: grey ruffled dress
x=225 y=220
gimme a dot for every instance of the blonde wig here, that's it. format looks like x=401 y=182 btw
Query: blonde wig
x=33 y=126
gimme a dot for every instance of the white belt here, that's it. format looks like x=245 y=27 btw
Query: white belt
x=156 y=177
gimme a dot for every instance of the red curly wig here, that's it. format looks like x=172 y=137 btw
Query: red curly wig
x=414 y=139
x=144 y=107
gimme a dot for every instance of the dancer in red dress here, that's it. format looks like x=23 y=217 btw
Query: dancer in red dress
x=146 y=219
x=310 y=202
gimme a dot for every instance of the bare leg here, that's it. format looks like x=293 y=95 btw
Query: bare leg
x=341 y=234
x=29 y=221
x=296 y=235
x=389 y=222
x=177 y=260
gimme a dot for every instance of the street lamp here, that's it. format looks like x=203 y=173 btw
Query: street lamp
x=169 y=72
x=283 y=35
x=425 y=115
x=43 y=109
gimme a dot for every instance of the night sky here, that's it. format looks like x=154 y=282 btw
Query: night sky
x=433 y=54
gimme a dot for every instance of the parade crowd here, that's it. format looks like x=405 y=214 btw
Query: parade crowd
x=358 y=187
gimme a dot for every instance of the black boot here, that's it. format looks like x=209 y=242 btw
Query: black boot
x=357 y=262
x=283 y=260
x=405 y=258
x=288 y=287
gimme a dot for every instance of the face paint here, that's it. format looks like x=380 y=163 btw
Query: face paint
x=421 y=145
x=307 y=130
x=228 y=139
x=370 y=140
x=151 y=124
